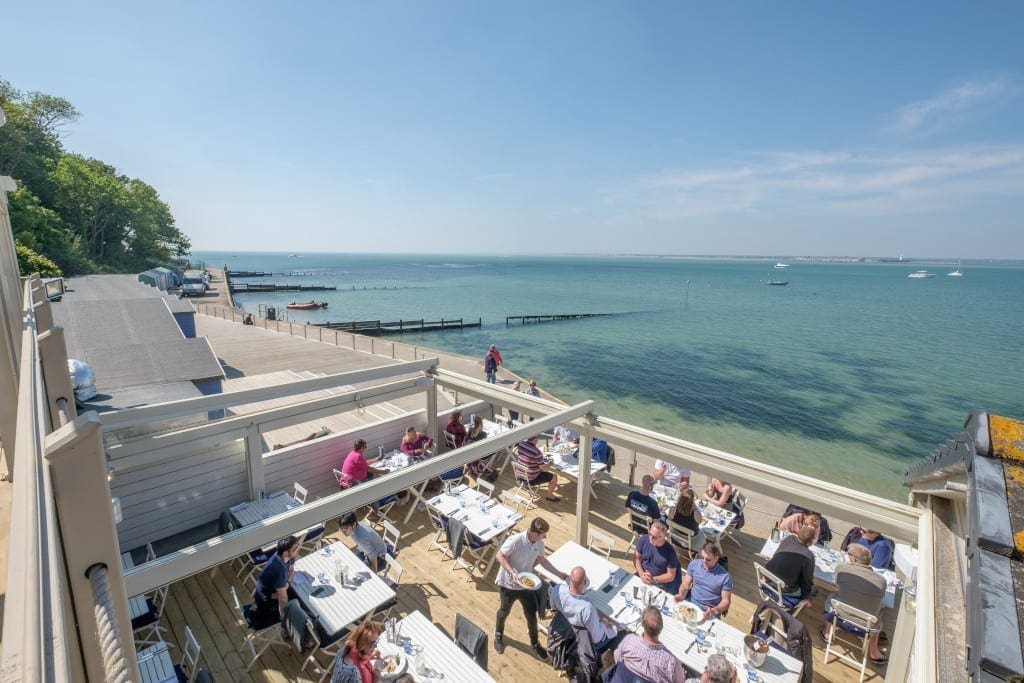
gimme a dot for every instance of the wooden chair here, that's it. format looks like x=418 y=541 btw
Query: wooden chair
x=773 y=588
x=600 y=542
x=858 y=624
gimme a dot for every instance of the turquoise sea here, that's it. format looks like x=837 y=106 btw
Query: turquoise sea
x=850 y=373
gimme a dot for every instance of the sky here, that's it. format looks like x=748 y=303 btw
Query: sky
x=776 y=128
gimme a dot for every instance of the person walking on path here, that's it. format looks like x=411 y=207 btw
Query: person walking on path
x=491 y=367
x=497 y=354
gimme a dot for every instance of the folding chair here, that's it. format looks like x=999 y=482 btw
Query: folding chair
x=146 y=629
x=600 y=542
x=187 y=669
x=855 y=622
x=486 y=487
x=453 y=477
x=514 y=500
x=449 y=440
x=772 y=588
x=392 y=576
x=684 y=539
x=440 y=525
x=256 y=559
x=523 y=479
x=300 y=494
x=478 y=552
x=471 y=639
x=739 y=504
x=312 y=538
x=344 y=481
x=270 y=635
x=638 y=524
x=390 y=534
x=150 y=553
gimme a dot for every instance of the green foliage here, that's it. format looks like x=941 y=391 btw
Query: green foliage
x=31 y=262
x=80 y=212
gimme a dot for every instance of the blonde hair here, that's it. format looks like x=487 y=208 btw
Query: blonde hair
x=362 y=638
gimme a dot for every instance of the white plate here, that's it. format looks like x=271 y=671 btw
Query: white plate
x=400 y=667
x=529 y=576
x=691 y=606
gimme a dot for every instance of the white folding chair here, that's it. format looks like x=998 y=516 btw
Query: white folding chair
x=440 y=539
x=265 y=637
x=638 y=524
x=859 y=625
x=773 y=588
x=599 y=542
x=146 y=628
x=685 y=539
x=523 y=480
x=478 y=552
x=150 y=553
x=189 y=666
x=390 y=533
x=515 y=501
x=449 y=440
x=344 y=481
x=312 y=538
x=485 y=486
x=393 y=576
x=739 y=504
x=300 y=494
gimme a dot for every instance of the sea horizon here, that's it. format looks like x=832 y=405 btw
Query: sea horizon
x=850 y=373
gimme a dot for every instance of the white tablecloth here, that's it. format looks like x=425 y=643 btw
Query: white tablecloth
x=825 y=562
x=257 y=510
x=464 y=504
x=336 y=606
x=665 y=496
x=155 y=665
x=440 y=653
x=715 y=520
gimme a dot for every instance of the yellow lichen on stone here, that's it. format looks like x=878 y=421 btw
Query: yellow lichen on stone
x=1018 y=541
x=1015 y=473
x=1007 y=437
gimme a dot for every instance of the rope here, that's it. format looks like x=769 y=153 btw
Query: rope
x=114 y=664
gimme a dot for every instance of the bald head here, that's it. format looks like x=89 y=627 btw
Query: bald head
x=577 y=580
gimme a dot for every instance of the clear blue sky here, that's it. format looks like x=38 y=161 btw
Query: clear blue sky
x=741 y=128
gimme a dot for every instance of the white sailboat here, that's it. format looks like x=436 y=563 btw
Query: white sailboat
x=957 y=272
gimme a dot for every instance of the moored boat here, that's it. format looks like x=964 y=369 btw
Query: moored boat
x=780 y=264
x=920 y=275
x=957 y=272
x=307 y=305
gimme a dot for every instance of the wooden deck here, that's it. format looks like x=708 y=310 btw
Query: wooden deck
x=203 y=601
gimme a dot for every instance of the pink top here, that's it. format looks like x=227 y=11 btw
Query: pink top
x=792 y=525
x=421 y=441
x=356 y=466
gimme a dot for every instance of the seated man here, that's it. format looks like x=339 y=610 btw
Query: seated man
x=881 y=548
x=271 y=594
x=538 y=471
x=655 y=559
x=641 y=502
x=416 y=444
x=645 y=656
x=707 y=582
x=793 y=562
x=669 y=475
x=370 y=547
x=563 y=434
x=718 y=670
x=860 y=587
x=570 y=599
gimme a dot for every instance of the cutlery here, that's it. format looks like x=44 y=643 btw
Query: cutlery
x=619 y=613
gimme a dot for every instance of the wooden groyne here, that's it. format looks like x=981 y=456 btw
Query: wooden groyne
x=271 y=287
x=263 y=273
x=526 y=319
x=377 y=327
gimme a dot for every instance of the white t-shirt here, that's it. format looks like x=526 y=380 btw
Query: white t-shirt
x=522 y=556
x=672 y=473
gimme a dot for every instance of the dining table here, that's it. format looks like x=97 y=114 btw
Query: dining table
x=253 y=511
x=482 y=516
x=431 y=655
x=622 y=596
x=665 y=496
x=715 y=520
x=333 y=605
x=155 y=665
x=565 y=459
x=827 y=559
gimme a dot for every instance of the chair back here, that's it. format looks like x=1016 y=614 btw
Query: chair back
x=300 y=494
x=854 y=620
x=520 y=470
x=344 y=481
x=436 y=518
x=485 y=486
x=639 y=523
x=204 y=676
x=190 y=655
x=390 y=533
x=160 y=599
x=449 y=440
x=769 y=586
x=393 y=571
x=682 y=537
x=739 y=502
x=600 y=542
x=472 y=640
x=150 y=553
x=514 y=500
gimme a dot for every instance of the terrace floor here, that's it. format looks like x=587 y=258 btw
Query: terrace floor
x=203 y=601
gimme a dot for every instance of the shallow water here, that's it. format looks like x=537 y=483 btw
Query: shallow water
x=850 y=373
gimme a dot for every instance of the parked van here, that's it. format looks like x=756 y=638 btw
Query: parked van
x=193 y=283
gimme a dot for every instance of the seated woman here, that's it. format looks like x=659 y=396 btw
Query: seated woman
x=456 y=428
x=416 y=444
x=719 y=493
x=361 y=651
x=686 y=515
x=798 y=520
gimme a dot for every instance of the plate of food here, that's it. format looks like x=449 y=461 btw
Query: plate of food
x=690 y=613
x=529 y=580
x=565 y=448
x=393 y=665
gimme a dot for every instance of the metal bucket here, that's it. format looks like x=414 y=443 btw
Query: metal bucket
x=755 y=650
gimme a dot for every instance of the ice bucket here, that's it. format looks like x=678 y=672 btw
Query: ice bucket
x=755 y=650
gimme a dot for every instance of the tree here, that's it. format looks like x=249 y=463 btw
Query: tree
x=30 y=262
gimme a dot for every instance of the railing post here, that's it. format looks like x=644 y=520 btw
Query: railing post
x=431 y=390
x=583 y=489
x=87 y=529
x=254 y=460
x=43 y=311
x=53 y=357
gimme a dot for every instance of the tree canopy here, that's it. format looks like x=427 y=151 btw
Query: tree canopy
x=79 y=214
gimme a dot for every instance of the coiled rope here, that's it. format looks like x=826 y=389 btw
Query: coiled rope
x=114 y=664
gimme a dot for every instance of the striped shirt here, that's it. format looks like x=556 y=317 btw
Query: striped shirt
x=531 y=458
x=651 y=661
